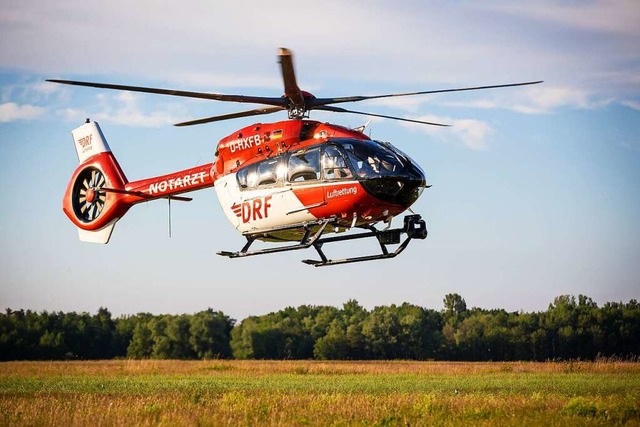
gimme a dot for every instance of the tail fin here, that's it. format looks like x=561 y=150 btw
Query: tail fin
x=92 y=201
x=89 y=141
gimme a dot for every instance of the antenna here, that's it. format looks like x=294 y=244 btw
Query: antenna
x=169 y=199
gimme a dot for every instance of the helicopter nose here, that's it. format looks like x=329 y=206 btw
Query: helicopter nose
x=402 y=188
x=415 y=182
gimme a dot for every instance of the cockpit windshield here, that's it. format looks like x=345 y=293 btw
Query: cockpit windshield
x=370 y=159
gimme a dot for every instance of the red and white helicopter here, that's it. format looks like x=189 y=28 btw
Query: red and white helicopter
x=291 y=181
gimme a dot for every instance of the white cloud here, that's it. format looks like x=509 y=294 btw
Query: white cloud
x=420 y=44
x=211 y=81
x=23 y=91
x=618 y=17
x=470 y=132
x=136 y=118
x=122 y=108
x=632 y=104
x=10 y=112
x=405 y=103
x=539 y=99
x=127 y=111
x=547 y=98
x=72 y=114
x=45 y=89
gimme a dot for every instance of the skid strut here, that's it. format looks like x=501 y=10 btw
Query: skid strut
x=308 y=239
x=414 y=228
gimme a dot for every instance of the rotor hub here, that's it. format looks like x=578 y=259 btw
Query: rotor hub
x=91 y=195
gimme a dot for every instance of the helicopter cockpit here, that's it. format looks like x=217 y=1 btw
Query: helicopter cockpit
x=383 y=170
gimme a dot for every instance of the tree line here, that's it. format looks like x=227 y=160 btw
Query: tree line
x=570 y=328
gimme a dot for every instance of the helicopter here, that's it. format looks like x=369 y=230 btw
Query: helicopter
x=298 y=182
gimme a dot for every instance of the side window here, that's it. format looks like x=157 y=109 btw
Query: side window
x=333 y=164
x=304 y=165
x=247 y=177
x=267 y=172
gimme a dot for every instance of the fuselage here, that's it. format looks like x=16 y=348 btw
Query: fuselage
x=271 y=177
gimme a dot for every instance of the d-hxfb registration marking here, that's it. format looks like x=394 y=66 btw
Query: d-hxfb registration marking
x=245 y=143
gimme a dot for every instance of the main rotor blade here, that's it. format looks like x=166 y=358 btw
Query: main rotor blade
x=342 y=110
x=291 y=89
x=327 y=101
x=202 y=95
x=256 y=112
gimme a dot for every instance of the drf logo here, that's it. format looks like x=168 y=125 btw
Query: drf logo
x=252 y=210
x=85 y=142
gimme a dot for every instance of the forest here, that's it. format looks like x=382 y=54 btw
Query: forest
x=571 y=328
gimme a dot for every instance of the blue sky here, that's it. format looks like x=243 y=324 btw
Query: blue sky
x=535 y=190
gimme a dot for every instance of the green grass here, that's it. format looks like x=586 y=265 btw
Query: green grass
x=318 y=393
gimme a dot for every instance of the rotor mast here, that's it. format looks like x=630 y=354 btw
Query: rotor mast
x=296 y=106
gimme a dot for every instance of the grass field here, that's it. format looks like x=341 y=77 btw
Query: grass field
x=128 y=392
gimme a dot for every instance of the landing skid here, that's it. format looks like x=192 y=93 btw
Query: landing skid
x=307 y=240
x=414 y=228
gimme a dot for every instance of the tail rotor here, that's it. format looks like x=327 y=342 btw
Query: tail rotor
x=88 y=198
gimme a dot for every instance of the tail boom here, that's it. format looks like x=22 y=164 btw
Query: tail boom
x=99 y=194
x=173 y=184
